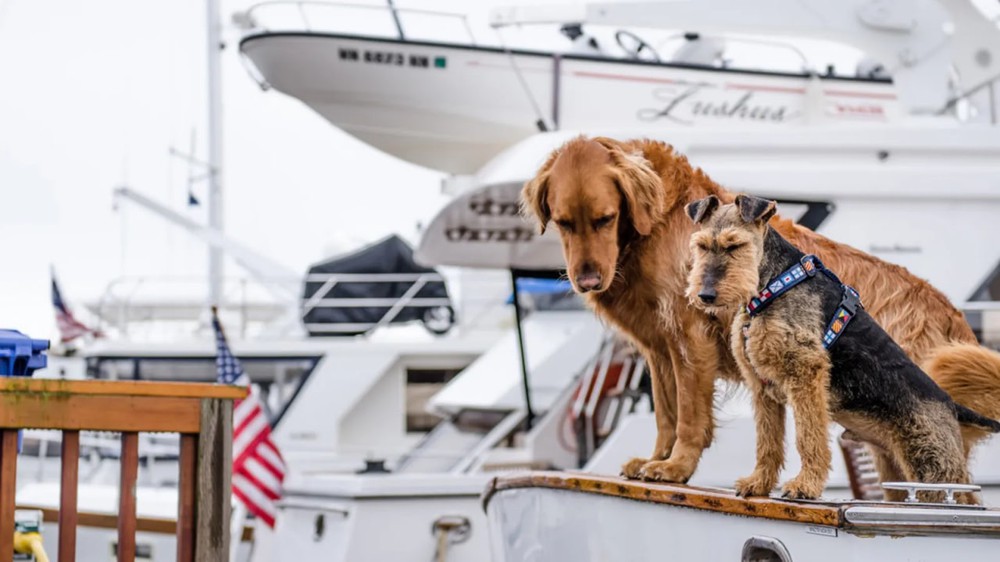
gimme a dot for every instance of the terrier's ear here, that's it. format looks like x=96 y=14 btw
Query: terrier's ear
x=700 y=210
x=535 y=194
x=755 y=209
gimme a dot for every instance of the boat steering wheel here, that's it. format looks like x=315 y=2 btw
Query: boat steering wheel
x=634 y=45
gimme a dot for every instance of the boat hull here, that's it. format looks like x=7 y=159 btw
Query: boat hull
x=453 y=107
x=568 y=519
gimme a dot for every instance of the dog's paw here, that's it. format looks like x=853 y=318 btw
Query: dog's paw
x=633 y=467
x=754 y=485
x=665 y=471
x=800 y=488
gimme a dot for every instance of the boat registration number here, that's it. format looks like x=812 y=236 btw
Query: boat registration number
x=392 y=58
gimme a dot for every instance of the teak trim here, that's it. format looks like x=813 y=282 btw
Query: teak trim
x=122 y=388
x=671 y=494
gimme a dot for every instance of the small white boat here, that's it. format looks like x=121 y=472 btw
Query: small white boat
x=582 y=517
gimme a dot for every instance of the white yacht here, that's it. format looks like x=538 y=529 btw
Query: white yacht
x=900 y=160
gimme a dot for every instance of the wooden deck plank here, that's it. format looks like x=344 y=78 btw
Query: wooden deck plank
x=185 y=498
x=8 y=485
x=70 y=459
x=126 y=497
x=709 y=499
x=122 y=388
x=99 y=412
x=214 y=480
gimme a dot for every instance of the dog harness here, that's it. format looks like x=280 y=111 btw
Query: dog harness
x=807 y=268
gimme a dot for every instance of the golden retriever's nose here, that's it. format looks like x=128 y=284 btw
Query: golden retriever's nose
x=707 y=295
x=588 y=281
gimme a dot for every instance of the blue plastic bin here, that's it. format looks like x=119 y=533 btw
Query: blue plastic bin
x=20 y=356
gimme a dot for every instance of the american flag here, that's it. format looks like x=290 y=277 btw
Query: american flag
x=69 y=327
x=258 y=469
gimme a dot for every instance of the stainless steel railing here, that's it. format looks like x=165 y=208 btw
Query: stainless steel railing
x=257 y=15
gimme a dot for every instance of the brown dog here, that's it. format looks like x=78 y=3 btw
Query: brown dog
x=619 y=207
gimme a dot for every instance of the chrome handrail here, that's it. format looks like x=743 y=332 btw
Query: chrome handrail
x=247 y=20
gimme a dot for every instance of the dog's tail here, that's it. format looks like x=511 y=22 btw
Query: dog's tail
x=970 y=374
x=969 y=417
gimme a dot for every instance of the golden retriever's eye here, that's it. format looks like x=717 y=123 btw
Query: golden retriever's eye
x=733 y=247
x=565 y=225
x=603 y=221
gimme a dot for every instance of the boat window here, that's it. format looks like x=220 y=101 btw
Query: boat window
x=983 y=309
x=478 y=421
x=277 y=378
x=989 y=290
x=421 y=385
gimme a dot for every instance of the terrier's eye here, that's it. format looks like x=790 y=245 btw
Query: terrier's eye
x=603 y=221
x=565 y=225
x=733 y=247
x=704 y=246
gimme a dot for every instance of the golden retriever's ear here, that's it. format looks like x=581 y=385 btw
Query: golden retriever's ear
x=641 y=189
x=535 y=194
x=755 y=209
x=702 y=209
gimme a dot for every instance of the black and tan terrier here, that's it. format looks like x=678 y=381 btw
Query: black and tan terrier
x=801 y=337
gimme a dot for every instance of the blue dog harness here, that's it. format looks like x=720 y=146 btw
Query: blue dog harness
x=807 y=268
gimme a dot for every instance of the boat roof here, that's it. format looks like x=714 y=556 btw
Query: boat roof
x=853 y=516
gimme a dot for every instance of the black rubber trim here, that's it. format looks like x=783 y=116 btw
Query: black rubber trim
x=816 y=211
x=315 y=35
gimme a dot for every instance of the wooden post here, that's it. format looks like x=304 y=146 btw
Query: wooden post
x=8 y=485
x=185 y=498
x=67 y=495
x=126 y=496
x=214 y=480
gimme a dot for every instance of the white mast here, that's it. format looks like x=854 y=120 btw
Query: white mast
x=215 y=254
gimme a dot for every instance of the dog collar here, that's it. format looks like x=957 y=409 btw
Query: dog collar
x=807 y=268
x=780 y=285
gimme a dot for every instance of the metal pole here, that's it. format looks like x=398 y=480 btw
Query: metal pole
x=530 y=414
x=214 y=25
x=556 y=83
x=395 y=18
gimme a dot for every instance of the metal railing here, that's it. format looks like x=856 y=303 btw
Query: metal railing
x=247 y=304
x=394 y=305
x=252 y=17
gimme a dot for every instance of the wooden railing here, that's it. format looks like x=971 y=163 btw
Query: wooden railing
x=201 y=413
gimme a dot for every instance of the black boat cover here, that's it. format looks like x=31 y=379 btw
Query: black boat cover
x=389 y=256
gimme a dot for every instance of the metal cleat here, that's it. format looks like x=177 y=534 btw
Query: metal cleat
x=911 y=489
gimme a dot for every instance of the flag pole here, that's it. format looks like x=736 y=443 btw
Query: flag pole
x=236 y=524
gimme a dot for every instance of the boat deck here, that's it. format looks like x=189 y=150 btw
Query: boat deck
x=853 y=516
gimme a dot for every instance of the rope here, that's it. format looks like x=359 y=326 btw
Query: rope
x=542 y=124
